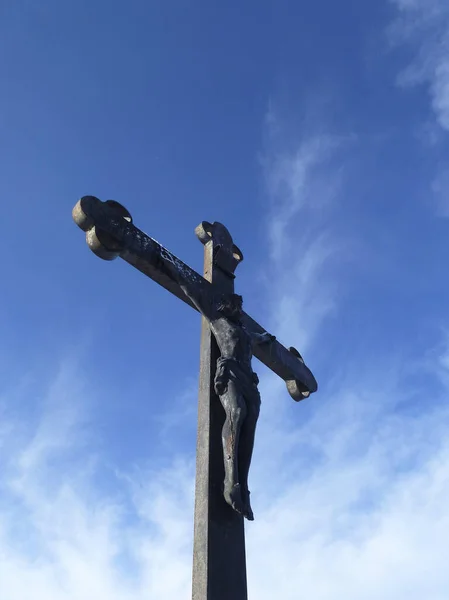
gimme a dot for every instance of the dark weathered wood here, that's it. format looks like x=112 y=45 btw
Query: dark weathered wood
x=110 y=233
x=219 y=565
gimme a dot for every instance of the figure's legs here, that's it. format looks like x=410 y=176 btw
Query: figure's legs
x=246 y=447
x=235 y=409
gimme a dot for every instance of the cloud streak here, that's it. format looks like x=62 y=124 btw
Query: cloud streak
x=304 y=182
x=424 y=26
x=369 y=519
x=352 y=504
x=71 y=528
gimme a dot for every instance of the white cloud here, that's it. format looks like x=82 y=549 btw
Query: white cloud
x=358 y=527
x=350 y=501
x=304 y=185
x=290 y=177
x=64 y=535
x=352 y=505
x=424 y=24
x=440 y=188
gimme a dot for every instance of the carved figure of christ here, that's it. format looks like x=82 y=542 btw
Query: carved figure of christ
x=236 y=385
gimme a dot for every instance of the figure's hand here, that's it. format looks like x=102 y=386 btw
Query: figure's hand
x=266 y=338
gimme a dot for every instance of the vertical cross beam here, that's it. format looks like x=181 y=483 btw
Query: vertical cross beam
x=219 y=562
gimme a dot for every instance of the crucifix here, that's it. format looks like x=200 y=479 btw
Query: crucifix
x=229 y=401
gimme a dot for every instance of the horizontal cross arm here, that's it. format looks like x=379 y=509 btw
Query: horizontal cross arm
x=287 y=363
x=110 y=233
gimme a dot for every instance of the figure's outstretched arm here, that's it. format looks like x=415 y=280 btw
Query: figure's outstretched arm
x=192 y=291
x=263 y=338
x=196 y=298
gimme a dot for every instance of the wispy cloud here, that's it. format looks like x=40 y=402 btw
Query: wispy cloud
x=351 y=496
x=69 y=528
x=292 y=179
x=368 y=502
x=304 y=182
x=440 y=188
x=353 y=504
x=424 y=25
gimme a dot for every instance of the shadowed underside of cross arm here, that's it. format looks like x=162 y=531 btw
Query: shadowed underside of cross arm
x=110 y=233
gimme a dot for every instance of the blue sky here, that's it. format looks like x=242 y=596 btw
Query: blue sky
x=318 y=133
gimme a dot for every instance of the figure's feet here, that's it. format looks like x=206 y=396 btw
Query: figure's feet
x=233 y=496
x=248 y=512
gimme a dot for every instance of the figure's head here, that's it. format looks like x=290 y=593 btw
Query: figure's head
x=231 y=305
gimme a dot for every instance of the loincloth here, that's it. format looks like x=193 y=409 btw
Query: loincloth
x=229 y=369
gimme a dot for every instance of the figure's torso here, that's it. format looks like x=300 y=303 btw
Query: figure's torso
x=234 y=341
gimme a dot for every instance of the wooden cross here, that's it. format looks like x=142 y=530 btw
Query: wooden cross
x=219 y=563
